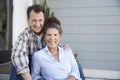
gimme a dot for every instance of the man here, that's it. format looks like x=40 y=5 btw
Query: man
x=27 y=43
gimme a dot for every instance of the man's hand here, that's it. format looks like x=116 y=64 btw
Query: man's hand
x=67 y=47
x=26 y=76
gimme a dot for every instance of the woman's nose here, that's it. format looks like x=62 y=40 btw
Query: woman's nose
x=52 y=37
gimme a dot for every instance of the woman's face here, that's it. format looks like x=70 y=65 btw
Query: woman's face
x=52 y=37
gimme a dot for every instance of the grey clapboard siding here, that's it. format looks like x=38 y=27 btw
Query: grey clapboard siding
x=84 y=29
x=85 y=12
x=92 y=29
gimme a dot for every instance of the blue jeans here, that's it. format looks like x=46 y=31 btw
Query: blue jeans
x=81 y=71
x=13 y=74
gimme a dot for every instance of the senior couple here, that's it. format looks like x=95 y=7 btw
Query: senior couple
x=37 y=54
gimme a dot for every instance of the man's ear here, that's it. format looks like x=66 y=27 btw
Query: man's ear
x=27 y=18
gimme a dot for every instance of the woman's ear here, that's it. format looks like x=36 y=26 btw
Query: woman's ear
x=44 y=39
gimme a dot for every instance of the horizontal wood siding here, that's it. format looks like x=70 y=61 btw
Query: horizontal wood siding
x=92 y=29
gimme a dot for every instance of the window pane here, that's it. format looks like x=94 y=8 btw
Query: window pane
x=2 y=25
x=5 y=24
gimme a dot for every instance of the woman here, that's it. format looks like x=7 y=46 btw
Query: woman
x=53 y=62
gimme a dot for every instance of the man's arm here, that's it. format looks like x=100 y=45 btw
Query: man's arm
x=20 y=53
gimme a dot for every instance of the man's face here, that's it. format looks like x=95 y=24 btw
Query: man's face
x=36 y=21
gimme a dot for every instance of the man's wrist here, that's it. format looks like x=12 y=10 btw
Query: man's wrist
x=26 y=76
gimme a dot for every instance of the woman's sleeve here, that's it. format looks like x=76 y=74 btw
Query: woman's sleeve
x=35 y=68
x=74 y=66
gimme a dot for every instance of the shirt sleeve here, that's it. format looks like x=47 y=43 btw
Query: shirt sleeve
x=74 y=67
x=19 y=56
x=35 y=67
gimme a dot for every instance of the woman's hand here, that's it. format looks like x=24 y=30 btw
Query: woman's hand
x=71 y=78
x=40 y=79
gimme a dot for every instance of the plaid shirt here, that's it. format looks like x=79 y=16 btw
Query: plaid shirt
x=24 y=47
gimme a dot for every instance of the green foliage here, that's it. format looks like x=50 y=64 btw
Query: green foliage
x=76 y=56
x=47 y=8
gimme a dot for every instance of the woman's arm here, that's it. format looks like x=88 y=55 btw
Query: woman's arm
x=35 y=68
x=74 y=68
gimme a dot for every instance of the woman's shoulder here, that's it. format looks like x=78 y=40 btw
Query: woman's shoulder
x=39 y=52
x=39 y=55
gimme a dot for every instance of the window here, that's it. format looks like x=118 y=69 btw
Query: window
x=5 y=24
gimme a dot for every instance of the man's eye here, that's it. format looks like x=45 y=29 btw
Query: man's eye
x=33 y=20
x=49 y=34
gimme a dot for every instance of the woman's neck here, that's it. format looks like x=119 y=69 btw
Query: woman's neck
x=54 y=52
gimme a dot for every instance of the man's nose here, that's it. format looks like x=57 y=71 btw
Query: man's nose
x=37 y=24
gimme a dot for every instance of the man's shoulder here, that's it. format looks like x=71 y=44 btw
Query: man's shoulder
x=26 y=32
